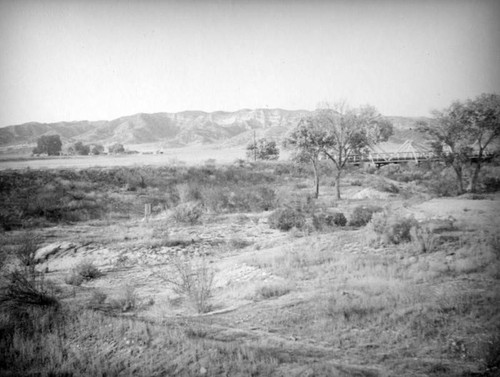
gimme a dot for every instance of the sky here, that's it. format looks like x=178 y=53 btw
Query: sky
x=102 y=59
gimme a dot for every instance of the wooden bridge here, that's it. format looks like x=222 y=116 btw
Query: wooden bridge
x=408 y=153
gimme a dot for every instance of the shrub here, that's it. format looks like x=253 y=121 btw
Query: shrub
x=189 y=192
x=192 y=279
x=363 y=214
x=25 y=252
x=238 y=243
x=23 y=288
x=322 y=220
x=382 y=185
x=215 y=199
x=423 y=237
x=265 y=198
x=442 y=183
x=127 y=300
x=85 y=270
x=187 y=213
x=392 y=227
x=272 y=290
x=286 y=218
x=97 y=299
x=491 y=184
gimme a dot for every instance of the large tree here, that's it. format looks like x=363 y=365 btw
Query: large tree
x=463 y=132
x=482 y=118
x=342 y=131
x=450 y=142
x=50 y=144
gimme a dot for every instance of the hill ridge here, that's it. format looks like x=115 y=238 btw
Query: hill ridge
x=229 y=128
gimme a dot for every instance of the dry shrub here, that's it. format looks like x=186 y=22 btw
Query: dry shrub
x=25 y=252
x=187 y=213
x=189 y=192
x=382 y=185
x=423 y=237
x=97 y=299
x=272 y=290
x=328 y=220
x=362 y=215
x=286 y=218
x=127 y=300
x=85 y=270
x=192 y=279
x=23 y=288
x=216 y=199
x=393 y=228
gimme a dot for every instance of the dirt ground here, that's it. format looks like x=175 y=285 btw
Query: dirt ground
x=122 y=253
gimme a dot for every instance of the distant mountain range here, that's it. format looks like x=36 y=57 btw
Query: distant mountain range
x=185 y=128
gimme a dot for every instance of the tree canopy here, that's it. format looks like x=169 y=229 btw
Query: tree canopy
x=263 y=150
x=306 y=148
x=339 y=132
x=49 y=144
x=463 y=132
x=81 y=149
x=116 y=148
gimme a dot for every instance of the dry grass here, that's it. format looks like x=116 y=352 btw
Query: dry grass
x=308 y=305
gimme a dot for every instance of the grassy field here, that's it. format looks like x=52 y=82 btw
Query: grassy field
x=239 y=271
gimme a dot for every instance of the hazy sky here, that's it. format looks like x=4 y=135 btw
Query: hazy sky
x=101 y=59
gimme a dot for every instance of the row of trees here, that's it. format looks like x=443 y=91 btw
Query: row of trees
x=461 y=135
x=263 y=149
x=52 y=146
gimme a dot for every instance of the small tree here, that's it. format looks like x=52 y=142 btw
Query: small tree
x=96 y=149
x=449 y=143
x=263 y=150
x=305 y=141
x=50 y=144
x=116 y=148
x=81 y=149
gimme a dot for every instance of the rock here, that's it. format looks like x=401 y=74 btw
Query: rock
x=45 y=252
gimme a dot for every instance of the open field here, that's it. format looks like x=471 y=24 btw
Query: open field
x=238 y=271
x=188 y=155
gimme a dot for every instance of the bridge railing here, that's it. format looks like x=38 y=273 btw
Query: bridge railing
x=389 y=157
x=386 y=157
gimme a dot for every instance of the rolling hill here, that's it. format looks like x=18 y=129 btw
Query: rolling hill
x=227 y=129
